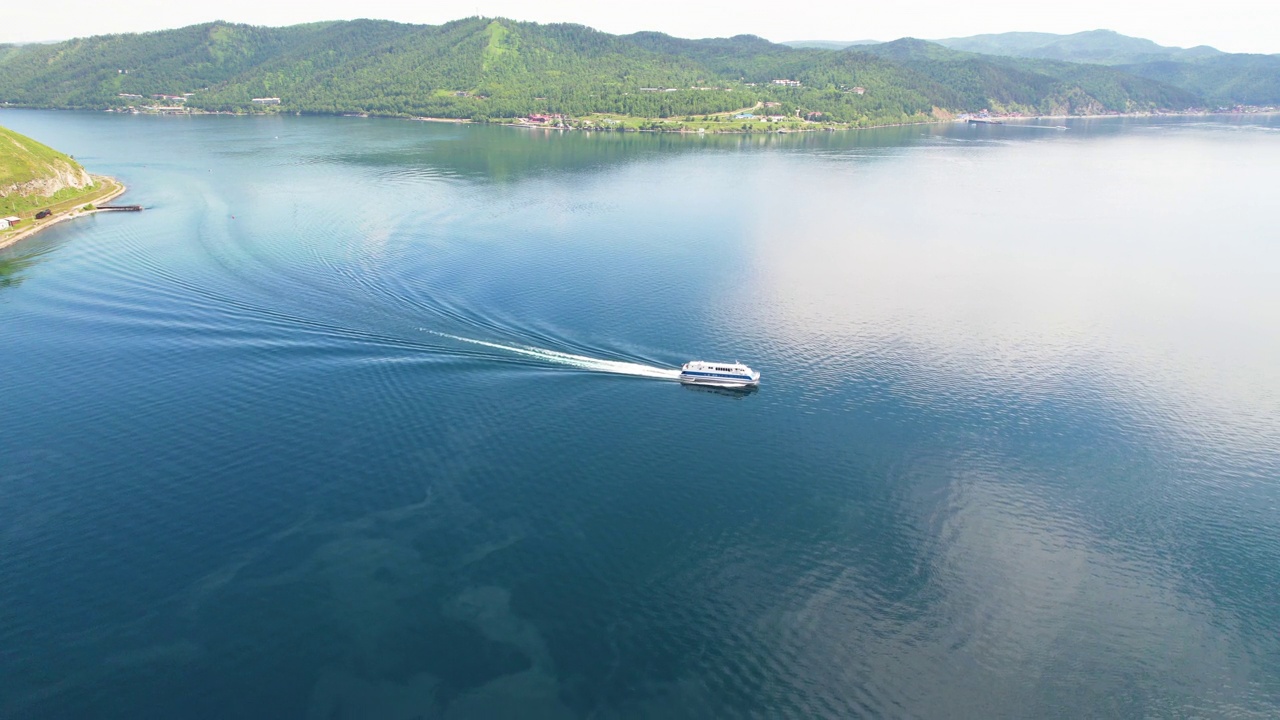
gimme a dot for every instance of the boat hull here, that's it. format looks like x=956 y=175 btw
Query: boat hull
x=724 y=382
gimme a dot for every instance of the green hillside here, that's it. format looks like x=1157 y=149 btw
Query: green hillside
x=1031 y=85
x=35 y=176
x=1222 y=79
x=1103 y=47
x=1218 y=78
x=1108 y=47
x=486 y=68
x=23 y=160
x=829 y=44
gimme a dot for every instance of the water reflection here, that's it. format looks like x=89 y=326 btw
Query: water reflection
x=1017 y=437
x=19 y=258
x=733 y=392
x=503 y=154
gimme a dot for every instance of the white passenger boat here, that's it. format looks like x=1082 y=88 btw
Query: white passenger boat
x=720 y=374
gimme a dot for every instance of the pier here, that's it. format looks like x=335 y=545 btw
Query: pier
x=120 y=208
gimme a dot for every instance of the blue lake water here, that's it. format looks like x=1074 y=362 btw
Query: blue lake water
x=373 y=419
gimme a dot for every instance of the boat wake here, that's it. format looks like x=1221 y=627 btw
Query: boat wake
x=580 y=362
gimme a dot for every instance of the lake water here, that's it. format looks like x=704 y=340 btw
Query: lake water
x=373 y=419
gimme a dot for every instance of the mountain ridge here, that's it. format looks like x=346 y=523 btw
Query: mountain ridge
x=1106 y=47
x=483 y=68
x=1220 y=78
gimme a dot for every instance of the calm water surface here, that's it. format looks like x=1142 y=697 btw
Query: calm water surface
x=372 y=419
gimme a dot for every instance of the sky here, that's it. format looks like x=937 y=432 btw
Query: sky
x=1229 y=25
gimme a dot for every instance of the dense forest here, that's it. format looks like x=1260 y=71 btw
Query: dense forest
x=1102 y=47
x=483 y=68
x=1217 y=77
x=1221 y=80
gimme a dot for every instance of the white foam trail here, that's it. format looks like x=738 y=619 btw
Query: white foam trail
x=582 y=362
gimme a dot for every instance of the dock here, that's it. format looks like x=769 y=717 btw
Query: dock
x=120 y=208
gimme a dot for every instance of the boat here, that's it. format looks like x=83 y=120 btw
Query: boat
x=719 y=374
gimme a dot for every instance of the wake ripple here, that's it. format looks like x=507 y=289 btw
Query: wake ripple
x=581 y=362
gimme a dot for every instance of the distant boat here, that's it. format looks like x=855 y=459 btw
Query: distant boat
x=719 y=374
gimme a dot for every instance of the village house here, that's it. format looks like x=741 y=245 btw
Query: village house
x=6 y=223
x=548 y=119
x=266 y=101
x=788 y=83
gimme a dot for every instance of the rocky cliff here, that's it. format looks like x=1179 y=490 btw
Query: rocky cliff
x=28 y=168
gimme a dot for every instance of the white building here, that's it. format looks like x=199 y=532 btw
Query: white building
x=6 y=223
x=266 y=101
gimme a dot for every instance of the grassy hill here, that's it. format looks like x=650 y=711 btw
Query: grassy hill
x=23 y=160
x=34 y=176
x=493 y=68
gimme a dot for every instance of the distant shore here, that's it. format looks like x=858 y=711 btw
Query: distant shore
x=791 y=126
x=703 y=127
x=1205 y=113
x=115 y=190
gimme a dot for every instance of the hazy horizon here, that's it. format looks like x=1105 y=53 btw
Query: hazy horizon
x=1189 y=27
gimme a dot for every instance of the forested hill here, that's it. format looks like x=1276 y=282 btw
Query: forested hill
x=1220 y=78
x=1103 y=47
x=486 y=68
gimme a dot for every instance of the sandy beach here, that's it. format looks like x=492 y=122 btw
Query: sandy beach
x=36 y=226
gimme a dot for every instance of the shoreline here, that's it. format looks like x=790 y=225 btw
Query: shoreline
x=833 y=127
x=1260 y=113
x=959 y=119
x=71 y=214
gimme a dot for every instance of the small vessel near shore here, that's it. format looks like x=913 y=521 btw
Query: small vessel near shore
x=719 y=374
